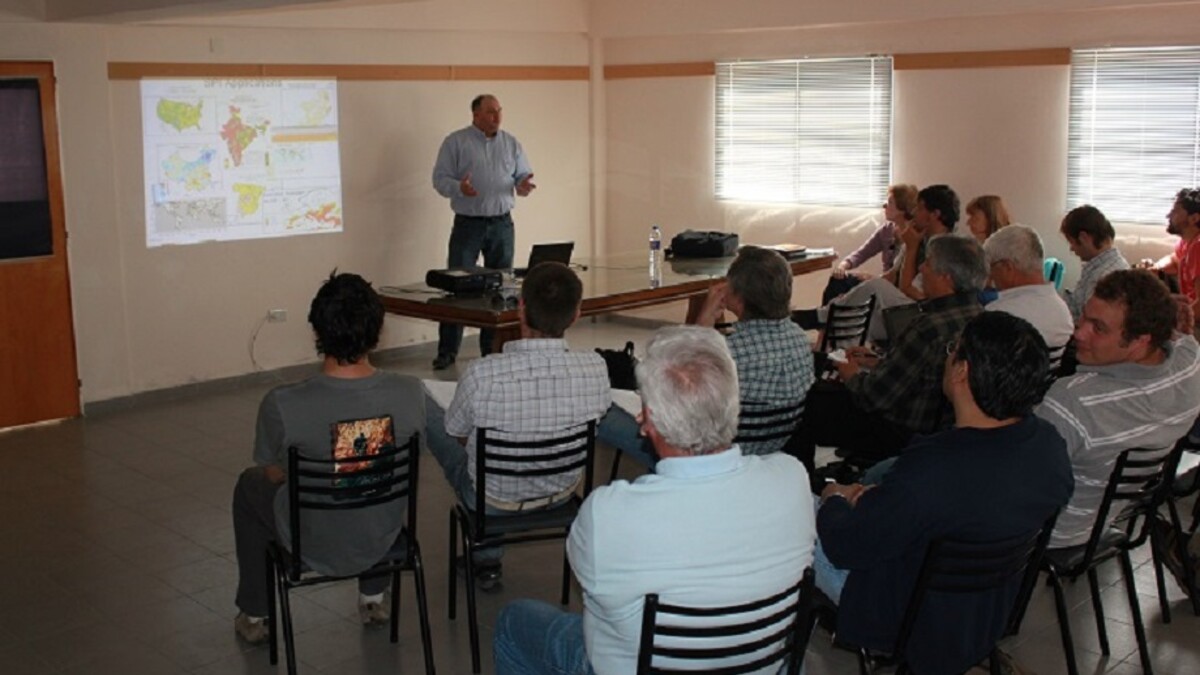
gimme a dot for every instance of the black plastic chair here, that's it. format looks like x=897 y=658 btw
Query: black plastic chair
x=756 y=424
x=345 y=485
x=568 y=453
x=963 y=566
x=846 y=325
x=1138 y=479
x=737 y=629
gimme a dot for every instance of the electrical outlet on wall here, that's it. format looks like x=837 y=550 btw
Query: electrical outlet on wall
x=276 y=315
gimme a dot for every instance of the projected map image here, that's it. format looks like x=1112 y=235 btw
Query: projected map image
x=240 y=159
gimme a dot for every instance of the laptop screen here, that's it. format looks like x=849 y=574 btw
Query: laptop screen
x=556 y=252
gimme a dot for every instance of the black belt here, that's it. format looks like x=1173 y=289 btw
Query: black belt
x=499 y=217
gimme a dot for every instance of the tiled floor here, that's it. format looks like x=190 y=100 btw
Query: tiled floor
x=118 y=558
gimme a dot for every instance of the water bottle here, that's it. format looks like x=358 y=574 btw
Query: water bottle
x=656 y=257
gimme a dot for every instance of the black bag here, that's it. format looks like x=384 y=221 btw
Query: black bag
x=620 y=364
x=694 y=244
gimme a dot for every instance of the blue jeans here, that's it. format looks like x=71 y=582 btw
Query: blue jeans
x=471 y=236
x=620 y=430
x=452 y=456
x=536 y=637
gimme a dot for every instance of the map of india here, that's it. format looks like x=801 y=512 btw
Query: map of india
x=238 y=135
x=179 y=114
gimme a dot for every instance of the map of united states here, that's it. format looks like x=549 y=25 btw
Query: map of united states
x=180 y=114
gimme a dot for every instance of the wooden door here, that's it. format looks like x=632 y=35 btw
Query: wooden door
x=38 y=376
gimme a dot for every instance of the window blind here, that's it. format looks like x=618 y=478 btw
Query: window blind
x=1134 y=130
x=814 y=131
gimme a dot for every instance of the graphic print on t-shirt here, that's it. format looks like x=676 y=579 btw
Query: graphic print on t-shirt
x=360 y=438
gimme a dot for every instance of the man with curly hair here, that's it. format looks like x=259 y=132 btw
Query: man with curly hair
x=328 y=410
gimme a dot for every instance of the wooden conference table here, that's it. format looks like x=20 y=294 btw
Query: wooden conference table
x=610 y=284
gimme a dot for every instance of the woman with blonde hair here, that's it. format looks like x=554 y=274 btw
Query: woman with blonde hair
x=885 y=241
x=985 y=215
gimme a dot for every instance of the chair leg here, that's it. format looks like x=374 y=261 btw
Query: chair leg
x=994 y=662
x=272 y=634
x=865 y=664
x=452 y=574
x=423 y=610
x=472 y=618
x=1135 y=609
x=1098 y=608
x=615 y=465
x=1158 y=549
x=395 y=622
x=566 y=579
x=289 y=638
x=1064 y=624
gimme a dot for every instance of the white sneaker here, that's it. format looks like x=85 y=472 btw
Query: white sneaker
x=252 y=629
x=374 y=613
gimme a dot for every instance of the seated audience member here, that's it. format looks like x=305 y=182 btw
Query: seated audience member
x=986 y=214
x=318 y=416
x=1014 y=256
x=1184 y=261
x=535 y=389
x=897 y=214
x=884 y=401
x=697 y=533
x=999 y=473
x=1136 y=387
x=936 y=213
x=773 y=355
x=1090 y=236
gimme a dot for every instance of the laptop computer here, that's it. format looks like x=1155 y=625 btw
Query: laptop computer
x=559 y=252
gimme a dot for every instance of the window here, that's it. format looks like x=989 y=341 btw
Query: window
x=814 y=131
x=1134 y=130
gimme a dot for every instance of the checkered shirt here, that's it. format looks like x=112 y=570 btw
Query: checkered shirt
x=1093 y=271
x=535 y=390
x=906 y=386
x=775 y=368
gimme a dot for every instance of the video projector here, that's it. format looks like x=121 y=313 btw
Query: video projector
x=464 y=280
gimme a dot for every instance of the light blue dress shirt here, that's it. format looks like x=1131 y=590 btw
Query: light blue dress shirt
x=496 y=165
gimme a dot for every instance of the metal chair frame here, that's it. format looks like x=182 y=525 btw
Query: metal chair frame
x=569 y=452
x=790 y=628
x=378 y=479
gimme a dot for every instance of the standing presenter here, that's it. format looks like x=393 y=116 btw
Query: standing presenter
x=479 y=168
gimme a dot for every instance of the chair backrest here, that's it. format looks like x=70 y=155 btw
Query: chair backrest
x=1053 y=269
x=963 y=566
x=740 y=638
x=349 y=483
x=1136 y=487
x=560 y=455
x=760 y=424
x=1056 y=360
x=847 y=325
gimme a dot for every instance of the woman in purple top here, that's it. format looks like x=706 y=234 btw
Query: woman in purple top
x=885 y=241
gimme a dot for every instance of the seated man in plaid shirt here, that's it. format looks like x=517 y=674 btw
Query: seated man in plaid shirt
x=773 y=355
x=535 y=389
x=880 y=403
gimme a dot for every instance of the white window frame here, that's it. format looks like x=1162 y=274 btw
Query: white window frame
x=804 y=131
x=1134 y=130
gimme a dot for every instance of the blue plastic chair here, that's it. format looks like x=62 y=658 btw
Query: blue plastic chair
x=1053 y=268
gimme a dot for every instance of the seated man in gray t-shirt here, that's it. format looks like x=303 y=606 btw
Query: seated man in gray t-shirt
x=348 y=400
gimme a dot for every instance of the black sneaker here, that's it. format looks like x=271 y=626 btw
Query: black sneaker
x=443 y=361
x=488 y=574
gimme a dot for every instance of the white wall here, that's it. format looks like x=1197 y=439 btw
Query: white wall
x=982 y=130
x=153 y=318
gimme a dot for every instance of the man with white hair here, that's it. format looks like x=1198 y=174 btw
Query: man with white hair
x=1015 y=258
x=696 y=532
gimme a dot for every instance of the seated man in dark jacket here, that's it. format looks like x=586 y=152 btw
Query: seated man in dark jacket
x=1000 y=472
